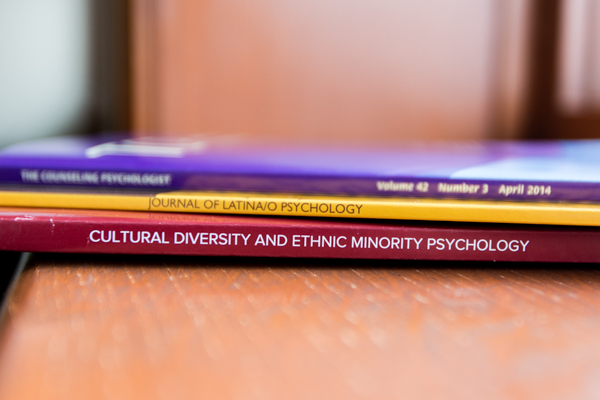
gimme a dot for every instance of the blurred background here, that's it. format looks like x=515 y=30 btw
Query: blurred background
x=333 y=71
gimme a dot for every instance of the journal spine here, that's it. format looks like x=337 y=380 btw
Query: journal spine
x=316 y=206
x=399 y=187
x=263 y=237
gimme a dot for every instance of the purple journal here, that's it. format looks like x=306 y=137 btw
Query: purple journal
x=528 y=171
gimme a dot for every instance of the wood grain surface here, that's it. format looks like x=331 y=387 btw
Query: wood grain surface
x=104 y=327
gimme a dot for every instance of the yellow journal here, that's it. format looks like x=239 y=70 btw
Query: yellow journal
x=316 y=206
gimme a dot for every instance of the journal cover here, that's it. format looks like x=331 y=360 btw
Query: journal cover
x=523 y=171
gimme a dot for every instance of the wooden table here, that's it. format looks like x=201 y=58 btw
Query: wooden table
x=122 y=327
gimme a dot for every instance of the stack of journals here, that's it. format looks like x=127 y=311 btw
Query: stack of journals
x=502 y=201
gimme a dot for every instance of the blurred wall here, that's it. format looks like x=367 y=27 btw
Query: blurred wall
x=45 y=68
x=334 y=70
x=579 y=56
x=326 y=70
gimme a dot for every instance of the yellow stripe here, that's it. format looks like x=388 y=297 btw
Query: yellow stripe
x=318 y=206
x=74 y=200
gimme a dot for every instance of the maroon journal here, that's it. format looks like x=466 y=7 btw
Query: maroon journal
x=90 y=231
